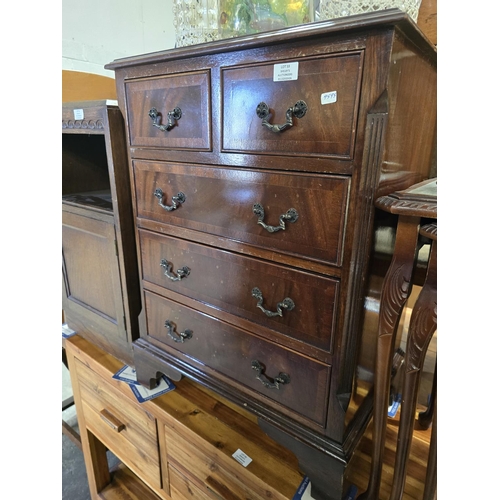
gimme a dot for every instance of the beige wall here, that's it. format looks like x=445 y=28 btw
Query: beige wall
x=95 y=32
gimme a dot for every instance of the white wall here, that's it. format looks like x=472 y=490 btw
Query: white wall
x=96 y=32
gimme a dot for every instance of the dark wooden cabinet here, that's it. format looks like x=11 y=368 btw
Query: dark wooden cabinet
x=255 y=163
x=101 y=299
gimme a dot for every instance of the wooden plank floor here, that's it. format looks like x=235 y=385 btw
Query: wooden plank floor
x=417 y=466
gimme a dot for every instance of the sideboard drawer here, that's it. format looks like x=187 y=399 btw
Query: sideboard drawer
x=210 y=480
x=182 y=487
x=231 y=352
x=221 y=201
x=228 y=281
x=188 y=92
x=328 y=85
x=120 y=424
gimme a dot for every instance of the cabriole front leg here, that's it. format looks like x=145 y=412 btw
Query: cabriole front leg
x=423 y=324
x=395 y=291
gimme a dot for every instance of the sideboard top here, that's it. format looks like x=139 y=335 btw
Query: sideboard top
x=394 y=18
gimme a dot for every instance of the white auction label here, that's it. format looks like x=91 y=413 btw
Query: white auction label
x=286 y=71
x=329 y=97
x=78 y=114
x=241 y=457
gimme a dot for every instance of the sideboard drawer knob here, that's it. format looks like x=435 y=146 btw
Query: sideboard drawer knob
x=111 y=420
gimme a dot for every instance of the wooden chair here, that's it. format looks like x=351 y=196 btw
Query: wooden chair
x=412 y=205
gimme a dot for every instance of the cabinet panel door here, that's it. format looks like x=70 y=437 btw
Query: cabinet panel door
x=91 y=274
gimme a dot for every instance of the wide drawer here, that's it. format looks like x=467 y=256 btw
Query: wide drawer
x=328 y=85
x=121 y=425
x=210 y=480
x=236 y=355
x=222 y=201
x=294 y=303
x=189 y=129
x=182 y=487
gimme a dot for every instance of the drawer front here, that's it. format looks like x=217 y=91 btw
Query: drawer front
x=221 y=201
x=183 y=488
x=210 y=481
x=122 y=426
x=231 y=352
x=227 y=281
x=188 y=92
x=330 y=88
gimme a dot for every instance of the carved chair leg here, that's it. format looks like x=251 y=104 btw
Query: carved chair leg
x=395 y=292
x=431 y=476
x=425 y=417
x=423 y=323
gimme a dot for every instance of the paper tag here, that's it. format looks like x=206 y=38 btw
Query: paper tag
x=393 y=409
x=67 y=331
x=351 y=494
x=304 y=490
x=241 y=457
x=78 y=114
x=126 y=374
x=329 y=97
x=142 y=394
x=286 y=71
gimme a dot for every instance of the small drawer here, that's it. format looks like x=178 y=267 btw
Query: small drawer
x=271 y=372
x=321 y=92
x=122 y=426
x=182 y=117
x=298 y=304
x=299 y=214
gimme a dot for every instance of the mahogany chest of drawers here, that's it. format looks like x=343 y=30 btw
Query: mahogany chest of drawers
x=254 y=164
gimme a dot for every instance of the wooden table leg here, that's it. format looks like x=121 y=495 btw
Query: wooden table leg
x=425 y=417
x=395 y=291
x=431 y=476
x=423 y=323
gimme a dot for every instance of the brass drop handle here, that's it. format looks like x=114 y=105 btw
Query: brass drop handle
x=291 y=215
x=181 y=337
x=286 y=304
x=298 y=110
x=176 y=200
x=181 y=273
x=173 y=117
x=112 y=421
x=270 y=383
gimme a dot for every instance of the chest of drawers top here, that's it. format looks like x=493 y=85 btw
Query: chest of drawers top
x=207 y=103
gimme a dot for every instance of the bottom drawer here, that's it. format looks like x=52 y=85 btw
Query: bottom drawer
x=123 y=427
x=207 y=477
x=182 y=488
x=233 y=353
